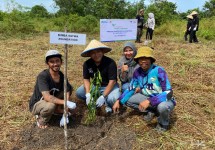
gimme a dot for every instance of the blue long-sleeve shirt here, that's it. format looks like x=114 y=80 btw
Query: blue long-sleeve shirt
x=154 y=84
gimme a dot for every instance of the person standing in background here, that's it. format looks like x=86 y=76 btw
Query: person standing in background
x=189 y=23
x=194 y=27
x=140 y=22
x=150 y=24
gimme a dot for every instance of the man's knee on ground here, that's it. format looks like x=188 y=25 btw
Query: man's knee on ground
x=49 y=108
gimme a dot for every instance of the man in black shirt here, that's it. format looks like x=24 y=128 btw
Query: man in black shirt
x=140 y=23
x=48 y=95
x=109 y=89
x=194 y=27
x=189 y=24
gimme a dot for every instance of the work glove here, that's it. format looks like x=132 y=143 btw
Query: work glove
x=62 y=120
x=100 y=101
x=71 y=105
x=88 y=95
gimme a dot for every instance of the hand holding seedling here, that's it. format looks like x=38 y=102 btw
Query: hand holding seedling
x=88 y=95
x=100 y=101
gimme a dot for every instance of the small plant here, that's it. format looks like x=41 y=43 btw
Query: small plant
x=95 y=93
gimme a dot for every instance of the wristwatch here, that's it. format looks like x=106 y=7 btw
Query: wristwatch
x=104 y=96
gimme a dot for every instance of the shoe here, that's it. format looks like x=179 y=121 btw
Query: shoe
x=161 y=128
x=146 y=43
x=148 y=117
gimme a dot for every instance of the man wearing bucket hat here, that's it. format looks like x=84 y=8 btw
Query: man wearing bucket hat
x=109 y=89
x=150 y=90
x=194 y=27
x=189 y=24
x=48 y=95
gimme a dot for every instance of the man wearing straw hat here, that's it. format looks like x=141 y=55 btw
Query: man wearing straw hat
x=194 y=27
x=150 y=90
x=189 y=23
x=109 y=89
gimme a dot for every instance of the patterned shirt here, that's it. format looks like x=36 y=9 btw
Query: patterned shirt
x=154 y=84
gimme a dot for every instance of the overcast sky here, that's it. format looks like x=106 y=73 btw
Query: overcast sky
x=182 y=5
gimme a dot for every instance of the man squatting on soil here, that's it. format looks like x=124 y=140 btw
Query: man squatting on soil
x=149 y=91
x=109 y=89
x=48 y=95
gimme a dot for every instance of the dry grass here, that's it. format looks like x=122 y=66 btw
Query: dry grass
x=190 y=68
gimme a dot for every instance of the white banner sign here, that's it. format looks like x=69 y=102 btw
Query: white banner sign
x=118 y=29
x=67 y=38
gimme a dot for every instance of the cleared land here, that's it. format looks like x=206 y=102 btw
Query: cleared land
x=191 y=71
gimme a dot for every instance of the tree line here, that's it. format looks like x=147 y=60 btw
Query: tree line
x=85 y=14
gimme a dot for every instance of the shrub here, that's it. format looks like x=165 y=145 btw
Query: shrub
x=17 y=22
x=177 y=28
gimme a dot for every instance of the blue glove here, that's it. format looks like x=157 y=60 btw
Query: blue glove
x=71 y=105
x=62 y=120
x=88 y=95
x=100 y=101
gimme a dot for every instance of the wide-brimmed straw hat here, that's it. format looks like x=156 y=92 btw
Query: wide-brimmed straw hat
x=145 y=51
x=190 y=16
x=194 y=13
x=95 y=45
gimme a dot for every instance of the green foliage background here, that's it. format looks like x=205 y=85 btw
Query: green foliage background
x=83 y=16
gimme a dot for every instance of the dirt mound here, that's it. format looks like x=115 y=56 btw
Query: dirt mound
x=106 y=133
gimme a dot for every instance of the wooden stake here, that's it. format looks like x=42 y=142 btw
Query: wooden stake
x=65 y=94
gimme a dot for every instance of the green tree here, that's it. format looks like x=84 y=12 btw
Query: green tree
x=17 y=22
x=97 y=8
x=80 y=7
x=209 y=8
x=163 y=10
x=39 y=11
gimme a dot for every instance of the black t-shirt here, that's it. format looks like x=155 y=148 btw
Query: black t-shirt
x=196 y=22
x=140 y=21
x=189 y=23
x=46 y=83
x=107 y=69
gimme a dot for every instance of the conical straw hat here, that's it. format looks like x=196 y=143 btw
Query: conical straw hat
x=194 y=13
x=190 y=16
x=95 y=45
